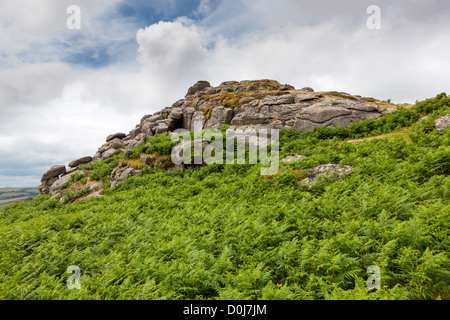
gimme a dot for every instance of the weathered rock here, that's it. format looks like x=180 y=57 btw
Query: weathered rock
x=104 y=147
x=139 y=140
x=53 y=172
x=161 y=128
x=117 y=144
x=60 y=184
x=43 y=189
x=442 y=123
x=228 y=83
x=80 y=161
x=293 y=158
x=119 y=174
x=278 y=100
x=333 y=113
x=118 y=135
x=286 y=87
x=135 y=132
x=70 y=170
x=51 y=181
x=108 y=154
x=175 y=119
x=95 y=186
x=327 y=170
x=307 y=89
x=155 y=118
x=199 y=86
x=220 y=116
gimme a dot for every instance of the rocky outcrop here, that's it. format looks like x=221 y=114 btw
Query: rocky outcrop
x=246 y=105
x=442 y=123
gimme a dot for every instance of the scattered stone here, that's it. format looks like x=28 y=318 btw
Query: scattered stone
x=442 y=123
x=293 y=158
x=327 y=170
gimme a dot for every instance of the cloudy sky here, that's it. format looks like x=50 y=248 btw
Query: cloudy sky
x=62 y=91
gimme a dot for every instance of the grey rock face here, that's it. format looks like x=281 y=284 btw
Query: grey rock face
x=51 y=181
x=161 y=128
x=330 y=113
x=80 y=161
x=135 y=132
x=199 y=86
x=118 y=135
x=286 y=87
x=53 y=172
x=117 y=144
x=307 y=89
x=442 y=123
x=108 y=154
x=175 y=119
x=139 y=140
x=60 y=184
x=220 y=116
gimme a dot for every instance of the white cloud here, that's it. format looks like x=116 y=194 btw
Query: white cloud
x=330 y=49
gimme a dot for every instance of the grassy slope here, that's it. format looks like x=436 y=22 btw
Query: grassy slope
x=226 y=232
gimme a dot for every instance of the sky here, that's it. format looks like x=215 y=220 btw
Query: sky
x=63 y=90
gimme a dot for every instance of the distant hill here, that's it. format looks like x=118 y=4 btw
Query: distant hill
x=11 y=195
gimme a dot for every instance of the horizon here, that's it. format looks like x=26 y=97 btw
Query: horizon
x=73 y=72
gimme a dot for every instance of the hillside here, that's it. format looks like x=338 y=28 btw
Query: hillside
x=140 y=227
x=11 y=195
